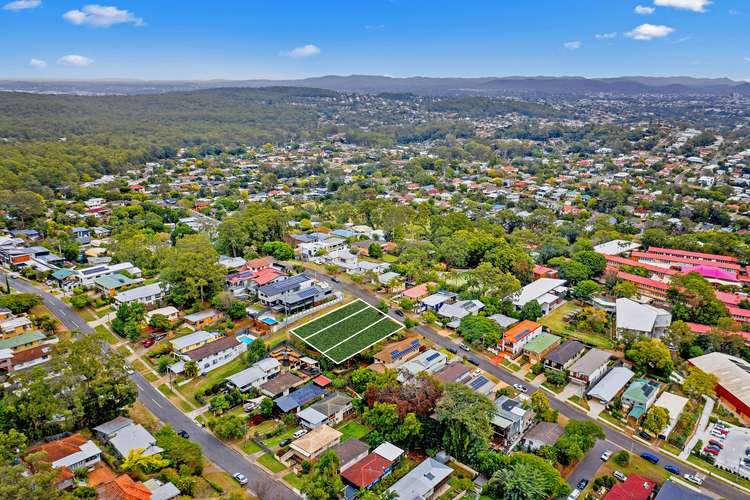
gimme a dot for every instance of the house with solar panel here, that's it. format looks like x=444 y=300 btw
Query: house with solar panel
x=299 y=398
x=510 y=422
x=429 y=361
x=395 y=353
x=331 y=410
x=481 y=384
x=294 y=294
x=86 y=277
x=639 y=396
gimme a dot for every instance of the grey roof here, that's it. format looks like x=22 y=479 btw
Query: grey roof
x=349 y=450
x=672 y=490
x=503 y=320
x=113 y=425
x=611 y=384
x=139 y=293
x=421 y=480
x=590 y=362
x=437 y=298
x=134 y=436
x=567 y=351
x=632 y=315
x=535 y=290
x=283 y=286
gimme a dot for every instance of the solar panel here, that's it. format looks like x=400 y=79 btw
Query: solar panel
x=478 y=382
x=93 y=270
x=415 y=343
x=433 y=356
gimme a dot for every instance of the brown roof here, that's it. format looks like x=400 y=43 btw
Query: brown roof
x=101 y=474
x=31 y=354
x=451 y=372
x=123 y=488
x=281 y=383
x=218 y=345
x=61 y=448
x=349 y=450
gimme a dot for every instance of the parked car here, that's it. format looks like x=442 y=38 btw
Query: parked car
x=672 y=468
x=712 y=451
x=240 y=478
x=299 y=433
x=619 y=475
x=398 y=312
x=721 y=425
x=644 y=435
x=250 y=406
x=452 y=349
x=574 y=494
x=183 y=433
x=159 y=337
x=605 y=456
x=721 y=431
x=717 y=434
x=582 y=484
x=335 y=279
x=520 y=388
x=650 y=457
x=464 y=346
x=285 y=442
x=716 y=443
x=473 y=361
x=693 y=479
x=15 y=276
x=148 y=342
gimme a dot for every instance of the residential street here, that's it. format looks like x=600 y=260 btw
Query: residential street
x=215 y=450
x=614 y=439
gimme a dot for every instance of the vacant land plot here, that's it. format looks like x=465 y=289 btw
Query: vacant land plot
x=347 y=331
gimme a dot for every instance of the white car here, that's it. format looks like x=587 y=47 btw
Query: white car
x=605 y=456
x=693 y=479
x=520 y=388
x=240 y=478
x=250 y=406
x=574 y=494
x=299 y=433
x=619 y=475
x=15 y=276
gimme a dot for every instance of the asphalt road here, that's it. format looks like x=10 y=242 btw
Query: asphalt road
x=614 y=440
x=225 y=457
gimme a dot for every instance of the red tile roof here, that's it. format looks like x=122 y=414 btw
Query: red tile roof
x=634 y=488
x=266 y=275
x=322 y=380
x=642 y=281
x=520 y=331
x=61 y=448
x=123 y=488
x=416 y=292
x=697 y=255
x=366 y=471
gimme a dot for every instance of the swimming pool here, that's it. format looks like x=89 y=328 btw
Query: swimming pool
x=246 y=339
x=269 y=321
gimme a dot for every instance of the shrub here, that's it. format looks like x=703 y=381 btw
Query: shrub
x=622 y=458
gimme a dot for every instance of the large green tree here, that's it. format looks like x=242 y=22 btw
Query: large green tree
x=192 y=270
x=467 y=419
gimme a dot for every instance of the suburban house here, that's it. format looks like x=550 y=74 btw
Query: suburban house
x=674 y=404
x=314 y=443
x=417 y=292
x=542 y=434
x=635 y=487
x=429 y=361
x=169 y=312
x=394 y=353
x=564 y=356
x=280 y=385
x=15 y=361
x=639 y=396
x=148 y=295
x=330 y=410
x=435 y=301
x=273 y=293
x=611 y=384
x=299 y=397
x=123 y=487
x=350 y=452
x=133 y=437
x=370 y=471
x=86 y=277
x=516 y=337
x=456 y=311
x=590 y=367
x=68 y=454
x=211 y=355
x=548 y=292
x=193 y=340
x=16 y=326
x=423 y=482
x=201 y=319
x=108 y=430
x=453 y=372
x=109 y=284
x=22 y=342
x=541 y=345
x=481 y=384
x=511 y=421
x=255 y=376
x=641 y=319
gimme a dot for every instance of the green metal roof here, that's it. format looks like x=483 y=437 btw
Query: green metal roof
x=640 y=391
x=541 y=343
x=114 y=281
x=19 y=340
x=61 y=274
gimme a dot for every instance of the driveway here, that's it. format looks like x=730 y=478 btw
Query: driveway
x=586 y=468
x=700 y=431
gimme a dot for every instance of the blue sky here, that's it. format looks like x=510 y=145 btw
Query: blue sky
x=238 y=39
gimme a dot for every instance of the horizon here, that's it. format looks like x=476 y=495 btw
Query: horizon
x=137 y=40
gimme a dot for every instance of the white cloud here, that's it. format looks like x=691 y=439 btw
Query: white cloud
x=747 y=59
x=572 y=45
x=304 y=51
x=605 y=36
x=101 y=16
x=38 y=63
x=22 y=5
x=649 y=32
x=75 y=60
x=694 y=5
x=644 y=10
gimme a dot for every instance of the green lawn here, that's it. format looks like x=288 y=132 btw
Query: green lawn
x=353 y=430
x=108 y=336
x=555 y=321
x=274 y=441
x=188 y=390
x=264 y=427
x=269 y=462
x=250 y=447
x=579 y=401
x=151 y=377
x=639 y=466
x=557 y=389
x=140 y=366
x=612 y=420
x=124 y=351
x=87 y=314
x=164 y=388
x=294 y=481
x=671 y=449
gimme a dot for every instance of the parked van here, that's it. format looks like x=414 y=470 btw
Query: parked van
x=650 y=457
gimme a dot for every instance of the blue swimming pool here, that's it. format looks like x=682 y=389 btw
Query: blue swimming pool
x=269 y=321
x=246 y=339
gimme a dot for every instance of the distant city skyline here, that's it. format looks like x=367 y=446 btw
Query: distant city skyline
x=285 y=39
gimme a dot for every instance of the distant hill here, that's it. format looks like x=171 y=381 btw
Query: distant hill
x=486 y=86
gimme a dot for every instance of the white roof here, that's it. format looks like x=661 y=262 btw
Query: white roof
x=632 y=315
x=311 y=415
x=611 y=384
x=132 y=437
x=87 y=450
x=674 y=404
x=193 y=338
x=535 y=290
x=138 y=293
x=14 y=323
x=616 y=247
x=164 y=311
x=388 y=451
x=208 y=313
